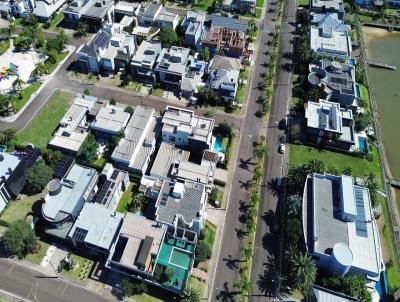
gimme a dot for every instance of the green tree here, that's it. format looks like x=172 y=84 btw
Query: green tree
x=137 y=202
x=225 y=129
x=38 y=177
x=260 y=149
x=39 y=70
x=82 y=30
x=203 y=252
x=18 y=84
x=132 y=287
x=51 y=157
x=129 y=110
x=353 y=286
x=89 y=149
x=205 y=53
x=347 y=171
x=19 y=239
x=168 y=37
x=5 y=103
x=191 y=295
x=7 y=136
x=302 y=271
x=52 y=55
x=30 y=20
x=294 y=203
x=373 y=187
x=86 y=91
x=247 y=252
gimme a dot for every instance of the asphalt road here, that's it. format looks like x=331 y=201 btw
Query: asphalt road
x=228 y=263
x=61 y=81
x=34 y=286
x=266 y=243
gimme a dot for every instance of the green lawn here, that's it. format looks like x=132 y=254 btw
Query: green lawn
x=4 y=45
x=365 y=97
x=209 y=234
x=304 y=2
x=60 y=57
x=158 y=92
x=195 y=283
x=127 y=198
x=78 y=271
x=57 y=19
x=18 y=209
x=203 y=5
x=38 y=257
x=39 y=130
x=260 y=3
x=300 y=154
x=26 y=94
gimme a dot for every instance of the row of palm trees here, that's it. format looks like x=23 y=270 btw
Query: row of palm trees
x=9 y=31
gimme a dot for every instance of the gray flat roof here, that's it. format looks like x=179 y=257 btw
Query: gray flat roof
x=74 y=187
x=101 y=224
x=98 y=8
x=111 y=119
x=8 y=161
x=188 y=207
x=167 y=154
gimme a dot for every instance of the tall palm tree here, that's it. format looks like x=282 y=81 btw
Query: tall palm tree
x=4 y=104
x=302 y=271
x=18 y=83
x=372 y=185
x=12 y=29
x=191 y=295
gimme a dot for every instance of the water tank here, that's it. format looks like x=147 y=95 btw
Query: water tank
x=54 y=186
x=342 y=258
x=336 y=66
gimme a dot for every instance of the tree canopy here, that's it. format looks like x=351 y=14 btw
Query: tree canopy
x=38 y=177
x=168 y=37
x=19 y=239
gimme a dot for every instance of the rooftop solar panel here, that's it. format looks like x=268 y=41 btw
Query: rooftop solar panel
x=114 y=174
x=30 y=156
x=79 y=234
x=361 y=227
x=63 y=166
x=101 y=196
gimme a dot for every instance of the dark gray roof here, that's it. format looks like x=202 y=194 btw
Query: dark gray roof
x=151 y=10
x=188 y=207
x=100 y=40
x=230 y=23
x=144 y=251
x=98 y=9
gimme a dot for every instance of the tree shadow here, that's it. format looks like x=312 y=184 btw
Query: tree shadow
x=226 y=295
x=240 y=233
x=246 y=184
x=245 y=163
x=231 y=263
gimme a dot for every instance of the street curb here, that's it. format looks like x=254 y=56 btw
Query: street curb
x=14 y=117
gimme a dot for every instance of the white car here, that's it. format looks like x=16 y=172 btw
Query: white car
x=282 y=148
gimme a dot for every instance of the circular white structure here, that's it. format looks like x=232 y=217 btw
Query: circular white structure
x=336 y=66
x=343 y=258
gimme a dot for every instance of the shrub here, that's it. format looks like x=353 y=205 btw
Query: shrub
x=38 y=177
x=19 y=239
x=203 y=252
x=133 y=287
x=129 y=110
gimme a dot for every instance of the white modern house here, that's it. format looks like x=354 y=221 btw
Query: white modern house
x=339 y=226
x=45 y=9
x=109 y=121
x=330 y=36
x=136 y=147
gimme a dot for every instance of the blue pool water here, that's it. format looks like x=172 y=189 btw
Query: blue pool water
x=381 y=287
x=358 y=92
x=352 y=62
x=363 y=144
x=218 y=144
x=2 y=148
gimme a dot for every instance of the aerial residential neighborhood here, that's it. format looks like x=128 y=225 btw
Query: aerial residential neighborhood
x=199 y=150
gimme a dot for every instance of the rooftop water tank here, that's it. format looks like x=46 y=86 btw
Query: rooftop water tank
x=54 y=186
x=342 y=258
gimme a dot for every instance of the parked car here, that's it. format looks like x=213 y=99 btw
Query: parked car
x=282 y=148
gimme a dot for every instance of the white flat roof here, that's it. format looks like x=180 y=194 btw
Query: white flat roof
x=111 y=119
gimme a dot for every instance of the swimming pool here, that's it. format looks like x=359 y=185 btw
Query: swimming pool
x=352 y=62
x=218 y=144
x=358 y=91
x=363 y=144
x=381 y=286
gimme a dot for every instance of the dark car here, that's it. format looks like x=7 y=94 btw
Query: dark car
x=282 y=124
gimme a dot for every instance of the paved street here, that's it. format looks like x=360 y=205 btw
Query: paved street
x=265 y=242
x=227 y=272
x=34 y=286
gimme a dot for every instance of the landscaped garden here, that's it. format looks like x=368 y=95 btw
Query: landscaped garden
x=126 y=203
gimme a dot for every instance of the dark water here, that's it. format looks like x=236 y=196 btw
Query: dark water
x=387 y=93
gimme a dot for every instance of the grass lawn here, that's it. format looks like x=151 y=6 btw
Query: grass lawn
x=260 y=3
x=300 y=154
x=209 y=234
x=199 y=285
x=60 y=57
x=38 y=257
x=40 y=129
x=127 y=198
x=158 y=92
x=365 y=97
x=4 y=45
x=26 y=94
x=57 y=19
x=203 y=4
x=18 y=209
x=304 y=2
x=258 y=12
x=78 y=271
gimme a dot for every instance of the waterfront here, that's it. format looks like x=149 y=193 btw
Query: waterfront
x=384 y=47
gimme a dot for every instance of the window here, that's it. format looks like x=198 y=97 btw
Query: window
x=172 y=138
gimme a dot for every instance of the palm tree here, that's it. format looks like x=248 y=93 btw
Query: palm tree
x=372 y=185
x=38 y=71
x=4 y=104
x=191 y=295
x=12 y=29
x=302 y=270
x=244 y=284
x=250 y=225
x=18 y=83
x=261 y=148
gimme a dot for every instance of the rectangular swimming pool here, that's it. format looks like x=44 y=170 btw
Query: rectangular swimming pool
x=363 y=144
x=180 y=258
x=218 y=144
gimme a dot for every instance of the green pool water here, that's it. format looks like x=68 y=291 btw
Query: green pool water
x=180 y=258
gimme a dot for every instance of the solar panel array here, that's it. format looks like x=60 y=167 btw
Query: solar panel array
x=361 y=226
x=101 y=40
x=104 y=192
x=79 y=234
x=114 y=174
x=63 y=166
x=323 y=120
x=30 y=156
